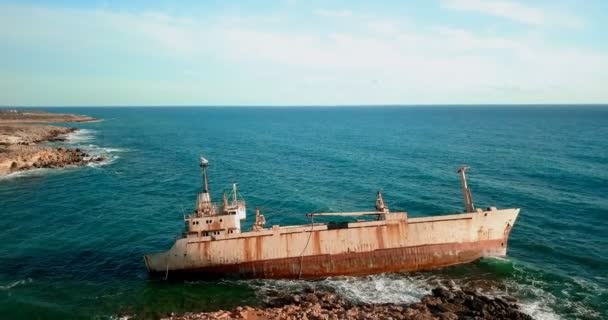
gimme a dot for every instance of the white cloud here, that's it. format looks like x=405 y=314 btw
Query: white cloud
x=242 y=60
x=515 y=11
x=384 y=26
x=334 y=13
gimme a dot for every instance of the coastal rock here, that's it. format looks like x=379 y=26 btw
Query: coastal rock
x=443 y=303
x=19 y=141
x=20 y=158
x=16 y=116
x=30 y=134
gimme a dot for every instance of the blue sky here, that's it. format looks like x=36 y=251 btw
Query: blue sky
x=293 y=52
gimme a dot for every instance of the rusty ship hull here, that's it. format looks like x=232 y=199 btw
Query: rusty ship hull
x=395 y=244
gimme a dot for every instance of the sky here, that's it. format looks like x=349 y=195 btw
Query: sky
x=294 y=52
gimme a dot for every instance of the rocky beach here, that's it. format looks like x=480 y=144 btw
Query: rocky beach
x=443 y=303
x=22 y=140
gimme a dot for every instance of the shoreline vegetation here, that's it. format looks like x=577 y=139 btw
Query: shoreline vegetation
x=443 y=303
x=23 y=136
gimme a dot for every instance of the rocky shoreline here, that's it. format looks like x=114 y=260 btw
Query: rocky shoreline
x=442 y=303
x=20 y=141
x=16 y=116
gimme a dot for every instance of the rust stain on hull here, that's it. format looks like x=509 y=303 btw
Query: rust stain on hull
x=354 y=263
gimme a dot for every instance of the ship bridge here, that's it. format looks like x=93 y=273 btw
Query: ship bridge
x=211 y=219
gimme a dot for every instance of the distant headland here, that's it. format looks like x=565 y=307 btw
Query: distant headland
x=22 y=138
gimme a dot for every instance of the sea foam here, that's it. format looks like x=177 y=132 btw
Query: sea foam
x=410 y=288
x=16 y=283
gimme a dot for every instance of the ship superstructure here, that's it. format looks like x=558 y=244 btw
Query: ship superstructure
x=215 y=219
x=214 y=244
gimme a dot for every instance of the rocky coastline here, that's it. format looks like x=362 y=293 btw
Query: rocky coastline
x=22 y=142
x=443 y=303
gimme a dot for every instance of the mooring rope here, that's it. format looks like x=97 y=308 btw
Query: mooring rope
x=312 y=225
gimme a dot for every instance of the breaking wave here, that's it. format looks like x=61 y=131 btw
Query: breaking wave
x=28 y=173
x=79 y=139
x=109 y=154
x=16 y=283
x=535 y=298
x=80 y=136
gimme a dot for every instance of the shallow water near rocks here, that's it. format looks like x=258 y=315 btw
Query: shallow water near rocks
x=73 y=239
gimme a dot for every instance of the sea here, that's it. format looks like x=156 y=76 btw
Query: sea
x=72 y=239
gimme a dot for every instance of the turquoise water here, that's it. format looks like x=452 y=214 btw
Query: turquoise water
x=72 y=239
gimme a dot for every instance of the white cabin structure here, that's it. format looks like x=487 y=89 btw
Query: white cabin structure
x=213 y=219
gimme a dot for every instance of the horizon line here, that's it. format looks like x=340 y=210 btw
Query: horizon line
x=562 y=104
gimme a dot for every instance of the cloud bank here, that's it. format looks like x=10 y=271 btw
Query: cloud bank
x=63 y=56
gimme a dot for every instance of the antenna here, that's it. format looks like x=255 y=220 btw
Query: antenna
x=204 y=165
x=234 y=193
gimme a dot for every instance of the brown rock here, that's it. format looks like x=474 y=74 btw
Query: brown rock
x=331 y=306
x=431 y=301
x=450 y=307
x=448 y=316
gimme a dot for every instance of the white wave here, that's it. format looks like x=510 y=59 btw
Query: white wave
x=407 y=288
x=539 y=310
x=384 y=288
x=80 y=136
x=26 y=173
x=112 y=150
x=108 y=159
x=16 y=283
x=107 y=153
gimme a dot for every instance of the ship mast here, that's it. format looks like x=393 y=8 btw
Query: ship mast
x=380 y=207
x=466 y=192
x=234 y=194
x=204 y=198
x=204 y=165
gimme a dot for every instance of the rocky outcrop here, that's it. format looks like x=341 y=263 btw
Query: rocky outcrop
x=20 y=158
x=28 y=134
x=443 y=304
x=19 y=139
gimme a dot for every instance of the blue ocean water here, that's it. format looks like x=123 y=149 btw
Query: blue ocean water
x=72 y=240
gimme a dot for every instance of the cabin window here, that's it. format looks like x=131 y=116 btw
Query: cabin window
x=220 y=220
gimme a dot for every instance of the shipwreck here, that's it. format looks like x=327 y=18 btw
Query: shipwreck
x=214 y=245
